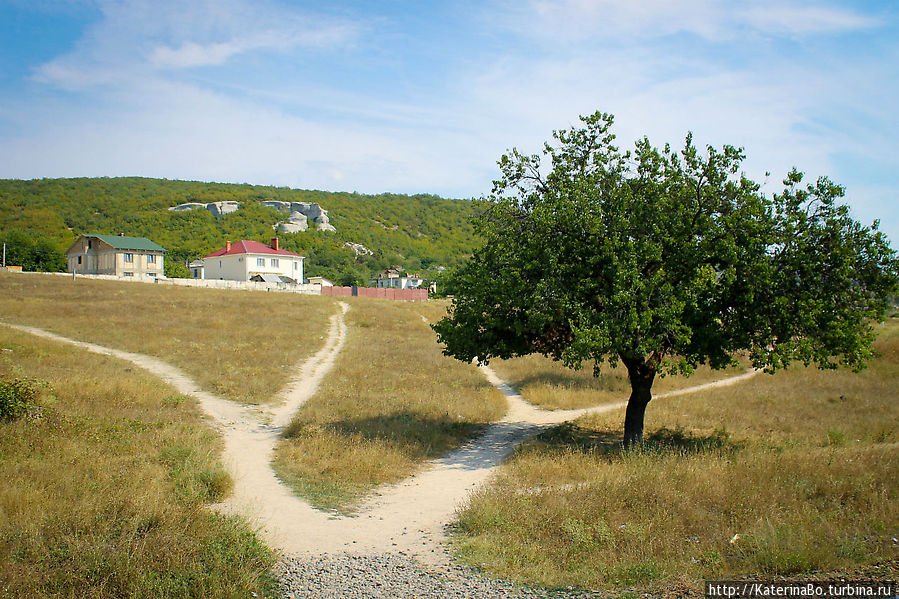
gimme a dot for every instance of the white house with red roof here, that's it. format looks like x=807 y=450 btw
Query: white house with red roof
x=252 y=261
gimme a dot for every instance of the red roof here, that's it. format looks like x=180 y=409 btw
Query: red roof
x=250 y=247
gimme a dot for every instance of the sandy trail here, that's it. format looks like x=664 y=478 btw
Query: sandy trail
x=408 y=517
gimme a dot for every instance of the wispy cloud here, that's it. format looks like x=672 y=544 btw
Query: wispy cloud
x=715 y=20
x=137 y=37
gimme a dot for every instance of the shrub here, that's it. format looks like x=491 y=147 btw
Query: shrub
x=17 y=397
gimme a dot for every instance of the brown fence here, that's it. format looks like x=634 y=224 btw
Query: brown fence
x=409 y=295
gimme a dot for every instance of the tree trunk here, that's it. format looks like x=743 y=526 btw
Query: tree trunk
x=641 y=375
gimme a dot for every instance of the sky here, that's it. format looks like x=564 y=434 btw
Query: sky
x=424 y=97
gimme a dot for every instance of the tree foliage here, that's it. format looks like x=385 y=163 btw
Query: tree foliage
x=664 y=260
x=410 y=231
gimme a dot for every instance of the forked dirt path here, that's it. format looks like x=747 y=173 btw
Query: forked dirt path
x=408 y=517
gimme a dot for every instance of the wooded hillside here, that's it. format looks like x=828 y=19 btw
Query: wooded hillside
x=39 y=219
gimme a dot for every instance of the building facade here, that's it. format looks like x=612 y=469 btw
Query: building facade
x=116 y=255
x=244 y=260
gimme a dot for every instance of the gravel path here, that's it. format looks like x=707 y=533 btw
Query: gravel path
x=393 y=575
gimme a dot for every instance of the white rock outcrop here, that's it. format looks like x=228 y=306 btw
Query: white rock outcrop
x=311 y=210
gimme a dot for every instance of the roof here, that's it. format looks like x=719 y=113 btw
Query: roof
x=250 y=247
x=128 y=243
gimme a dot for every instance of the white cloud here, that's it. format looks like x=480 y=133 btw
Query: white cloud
x=715 y=20
x=137 y=37
x=783 y=18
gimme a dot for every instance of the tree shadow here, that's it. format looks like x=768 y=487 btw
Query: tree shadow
x=570 y=437
x=574 y=382
x=423 y=437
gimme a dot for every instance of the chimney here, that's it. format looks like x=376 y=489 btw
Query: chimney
x=274 y=243
x=227 y=246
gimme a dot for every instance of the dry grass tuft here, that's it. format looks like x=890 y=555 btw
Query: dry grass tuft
x=106 y=486
x=391 y=401
x=785 y=475
x=240 y=345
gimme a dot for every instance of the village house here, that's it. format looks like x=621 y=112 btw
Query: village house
x=397 y=279
x=250 y=261
x=116 y=255
x=321 y=281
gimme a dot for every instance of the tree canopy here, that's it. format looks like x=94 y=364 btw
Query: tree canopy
x=664 y=260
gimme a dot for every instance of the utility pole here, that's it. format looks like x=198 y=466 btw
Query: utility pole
x=4 y=255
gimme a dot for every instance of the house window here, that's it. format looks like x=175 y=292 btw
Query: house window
x=129 y=258
x=152 y=275
x=296 y=265
x=220 y=263
x=79 y=259
x=129 y=274
x=260 y=261
x=151 y=259
x=90 y=244
x=274 y=262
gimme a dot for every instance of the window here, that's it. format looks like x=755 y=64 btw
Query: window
x=151 y=259
x=129 y=274
x=260 y=261
x=274 y=262
x=220 y=263
x=129 y=258
x=296 y=265
x=152 y=275
x=79 y=259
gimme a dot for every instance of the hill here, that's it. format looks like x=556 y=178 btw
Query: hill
x=40 y=218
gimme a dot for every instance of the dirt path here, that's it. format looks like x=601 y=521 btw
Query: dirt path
x=408 y=517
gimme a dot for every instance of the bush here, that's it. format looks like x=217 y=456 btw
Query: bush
x=17 y=397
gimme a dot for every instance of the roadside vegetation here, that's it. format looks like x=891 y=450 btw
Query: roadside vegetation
x=787 y=475
x=240 y=345
x=108 y=475
x=391 y=401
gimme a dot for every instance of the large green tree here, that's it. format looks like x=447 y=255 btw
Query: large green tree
x=663 y=260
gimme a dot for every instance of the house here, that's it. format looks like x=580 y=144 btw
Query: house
x=251 y=260
x=196 y=268
x=116 y=255
x=394 y=277
x=321 y=281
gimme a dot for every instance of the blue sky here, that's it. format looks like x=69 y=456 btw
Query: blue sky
x=424 y=97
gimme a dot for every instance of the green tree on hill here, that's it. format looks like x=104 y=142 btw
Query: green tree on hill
x=664 y=260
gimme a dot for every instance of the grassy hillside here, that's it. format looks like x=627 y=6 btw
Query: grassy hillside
x=412 y=231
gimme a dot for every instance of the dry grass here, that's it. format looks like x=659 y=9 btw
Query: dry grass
x=237 y=344
x=801 y=465
x=552 y=386
x=391 y=401
x=105 y=488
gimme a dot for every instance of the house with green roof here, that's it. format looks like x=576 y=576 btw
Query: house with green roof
x=117 y=255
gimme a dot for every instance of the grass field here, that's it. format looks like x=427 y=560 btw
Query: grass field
x=552 y=386
x=391 y=401
x=239 y=345
x=786 y=475
x=106 y=486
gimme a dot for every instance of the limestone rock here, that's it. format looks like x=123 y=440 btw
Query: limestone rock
x=188 y=206
x=295 y=223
